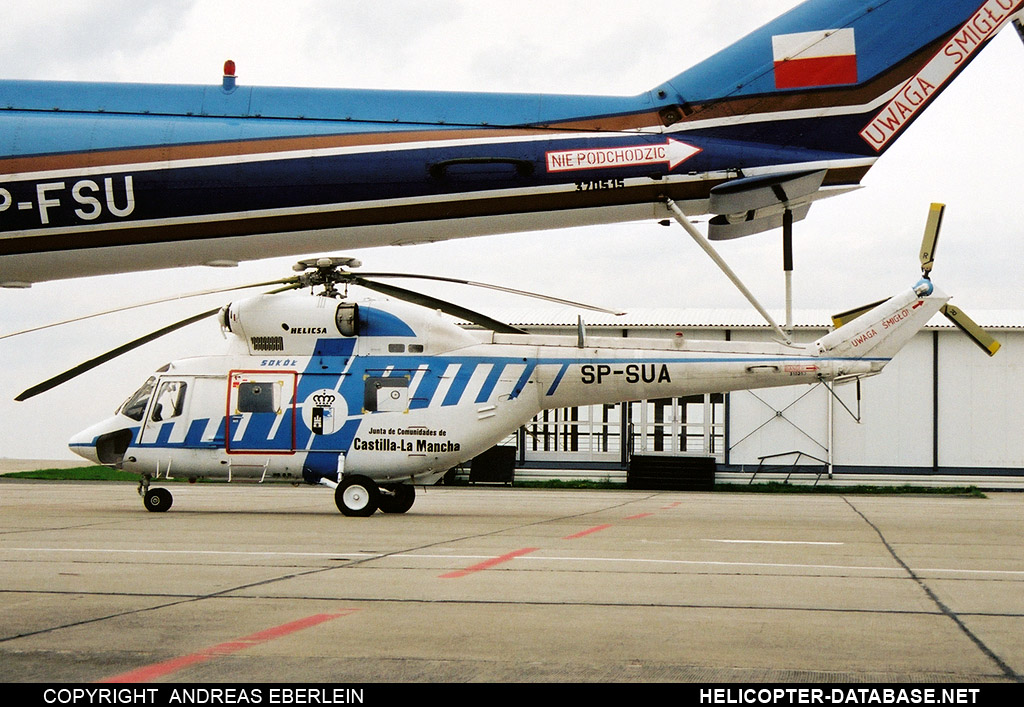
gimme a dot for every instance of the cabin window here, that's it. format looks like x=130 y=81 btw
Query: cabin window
x=170 y=401
x=415 y=348
x=135 y=406
x=396 y=348
x=257 y=397
x=386 y=394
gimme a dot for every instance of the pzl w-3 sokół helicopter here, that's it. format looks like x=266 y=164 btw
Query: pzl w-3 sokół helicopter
x=372 y=398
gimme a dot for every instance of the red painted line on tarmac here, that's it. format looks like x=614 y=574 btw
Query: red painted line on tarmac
x=639 y=515
x=487 y=564
x=158 y=670
x=588 y=531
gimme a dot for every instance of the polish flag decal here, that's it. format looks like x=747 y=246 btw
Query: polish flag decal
x=823 y=58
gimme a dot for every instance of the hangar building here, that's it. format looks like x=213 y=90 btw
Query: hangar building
x=941 y=406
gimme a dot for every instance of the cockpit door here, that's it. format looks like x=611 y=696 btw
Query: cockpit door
x=167 y=416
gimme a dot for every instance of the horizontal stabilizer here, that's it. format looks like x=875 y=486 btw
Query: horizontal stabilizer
x=746 y=223
x=974 y=332
x=751 y=193
x=724 y=228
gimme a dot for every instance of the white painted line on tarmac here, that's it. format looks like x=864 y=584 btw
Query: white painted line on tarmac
x=772 y=542
x=525 y=558
x=245 y=553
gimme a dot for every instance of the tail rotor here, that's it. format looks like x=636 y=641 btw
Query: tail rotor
x=964 y=323
x=929 y=243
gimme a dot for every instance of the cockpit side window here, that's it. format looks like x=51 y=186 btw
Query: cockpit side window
x=135 y=406
x=170 y=401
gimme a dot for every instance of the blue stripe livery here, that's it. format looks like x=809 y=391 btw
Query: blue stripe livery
x=88 y=169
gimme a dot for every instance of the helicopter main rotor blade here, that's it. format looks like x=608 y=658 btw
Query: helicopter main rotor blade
x=434 y=303
x=113 y=353
x=162 y=300
x=499 y=288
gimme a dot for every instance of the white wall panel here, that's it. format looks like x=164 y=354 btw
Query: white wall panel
x=981 y=403
x=896 y=413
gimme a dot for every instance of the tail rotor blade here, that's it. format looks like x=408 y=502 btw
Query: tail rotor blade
x=967 y=325
x=849 y=315
x=931 y=237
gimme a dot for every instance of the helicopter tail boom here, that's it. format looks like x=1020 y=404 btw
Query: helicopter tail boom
x=883 y=330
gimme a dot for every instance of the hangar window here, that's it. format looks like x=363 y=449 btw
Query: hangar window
x=592 y=431
x=694 y=424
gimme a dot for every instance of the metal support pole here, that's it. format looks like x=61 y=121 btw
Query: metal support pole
x=724 y=267
x=935 y=402
x=787 y=264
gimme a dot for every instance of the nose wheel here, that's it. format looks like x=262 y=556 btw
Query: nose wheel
x=157 y=500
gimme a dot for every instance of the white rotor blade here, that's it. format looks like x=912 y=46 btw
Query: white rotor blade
x=125 y=308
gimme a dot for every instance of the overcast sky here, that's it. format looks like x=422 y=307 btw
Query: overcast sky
x=967 y=150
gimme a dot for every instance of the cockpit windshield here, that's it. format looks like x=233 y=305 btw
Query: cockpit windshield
x=135 y=406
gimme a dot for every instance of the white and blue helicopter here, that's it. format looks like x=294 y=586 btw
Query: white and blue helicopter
x=373 y=398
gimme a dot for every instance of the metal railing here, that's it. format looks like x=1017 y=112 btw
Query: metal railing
x=792 y=467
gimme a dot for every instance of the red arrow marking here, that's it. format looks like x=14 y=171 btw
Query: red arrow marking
x=487 y=564
x=158 y=670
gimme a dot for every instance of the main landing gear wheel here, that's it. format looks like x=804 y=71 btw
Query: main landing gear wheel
x=357 y=496
x=397 y=498
x=157 y=500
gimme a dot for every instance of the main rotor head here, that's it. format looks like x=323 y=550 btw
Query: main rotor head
x=325 y=271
